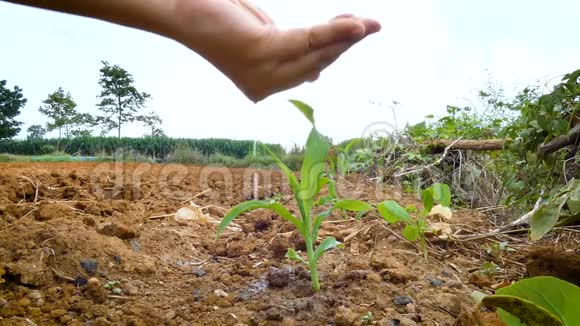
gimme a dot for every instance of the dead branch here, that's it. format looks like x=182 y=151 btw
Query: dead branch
x=439 y=145
x=432 y=164
x=562 y=141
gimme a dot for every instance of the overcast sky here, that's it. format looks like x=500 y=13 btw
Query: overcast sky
x=428 y=54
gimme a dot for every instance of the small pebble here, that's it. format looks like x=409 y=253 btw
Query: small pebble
x=198 y=271
x=221 y=293
x=91 y=266
x=402 y=300
x=435 y=281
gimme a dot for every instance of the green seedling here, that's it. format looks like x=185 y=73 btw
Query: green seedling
x=367 y=319
x=113 y=286
x=415 y=228
x=498 y=248
x=314 y=175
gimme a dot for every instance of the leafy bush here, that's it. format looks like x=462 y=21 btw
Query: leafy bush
x=47 y=149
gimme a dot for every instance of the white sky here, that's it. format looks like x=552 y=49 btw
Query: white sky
x=428 y=54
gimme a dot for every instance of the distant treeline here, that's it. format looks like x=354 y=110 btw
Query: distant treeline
x=156 y=147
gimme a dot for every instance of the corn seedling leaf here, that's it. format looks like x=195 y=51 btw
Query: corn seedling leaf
x=291 y=179
x=313 y=166
x=293 y=255
x=353 y=205
x=558 y=297
x=257 y=204
x=325 y=245
x=318 y=222
x=305 y=109
x=392 y=212
x=522 y=311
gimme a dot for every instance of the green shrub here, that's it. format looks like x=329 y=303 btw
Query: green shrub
x=47 y=149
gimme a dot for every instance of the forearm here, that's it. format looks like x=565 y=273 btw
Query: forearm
x=156 y=16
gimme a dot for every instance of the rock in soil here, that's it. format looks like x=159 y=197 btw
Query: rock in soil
x=118 y=230
x=90 y=266
x=344 y=316
x=95 y=291
x=402 y=300
x=278 y=278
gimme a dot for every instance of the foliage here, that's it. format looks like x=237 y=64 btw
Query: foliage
x=562 y=208
x=36 y=132
x=536 y=301
x=152 y=122
x=157 y=147
x=60 y=108
x=47 y=149
x=542 y=120
x=11 y=102
x=313 y=177
x=415 y=228
x=120 y=99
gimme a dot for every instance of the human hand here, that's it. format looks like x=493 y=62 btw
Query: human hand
x=244 y=43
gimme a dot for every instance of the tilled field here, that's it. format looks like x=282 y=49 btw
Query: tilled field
x=98 y=244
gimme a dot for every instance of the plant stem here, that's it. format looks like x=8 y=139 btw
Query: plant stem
x=312 y=265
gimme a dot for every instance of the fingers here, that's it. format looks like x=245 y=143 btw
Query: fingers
x=308 y=67
x=344 y=28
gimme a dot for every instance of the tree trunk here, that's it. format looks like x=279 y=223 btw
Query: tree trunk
x=439 y=145
x=59 y=136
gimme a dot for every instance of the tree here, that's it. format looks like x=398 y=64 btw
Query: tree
x=120 y=100
x=153 y=122
x=36 y=132
x=61 y=109
x=10 y=104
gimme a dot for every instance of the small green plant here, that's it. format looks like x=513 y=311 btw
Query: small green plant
x=415 y=228
x=314 y=175
x=489 y=269
x=536 y=301
x=113 y=286
x=497 y=249
x=367 y=318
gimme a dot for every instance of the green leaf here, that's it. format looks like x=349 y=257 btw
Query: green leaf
x=525 y=311
x=558 y=297
x=291 y=179
x=351 y=144
x=411 y=232
x=257 y=204
x=318 y=222
x=325 y=245
x=574 y=201
x=305 y=109
x=427 y=196
x=293 y=255
x=442 y=194
x=353 y=205
x=392 y=212
x=545 y=218
x=314 y=164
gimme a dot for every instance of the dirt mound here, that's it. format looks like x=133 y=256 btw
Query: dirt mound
x=97 y=244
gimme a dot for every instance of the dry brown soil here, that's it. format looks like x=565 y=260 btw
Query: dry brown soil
x=67 y=230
